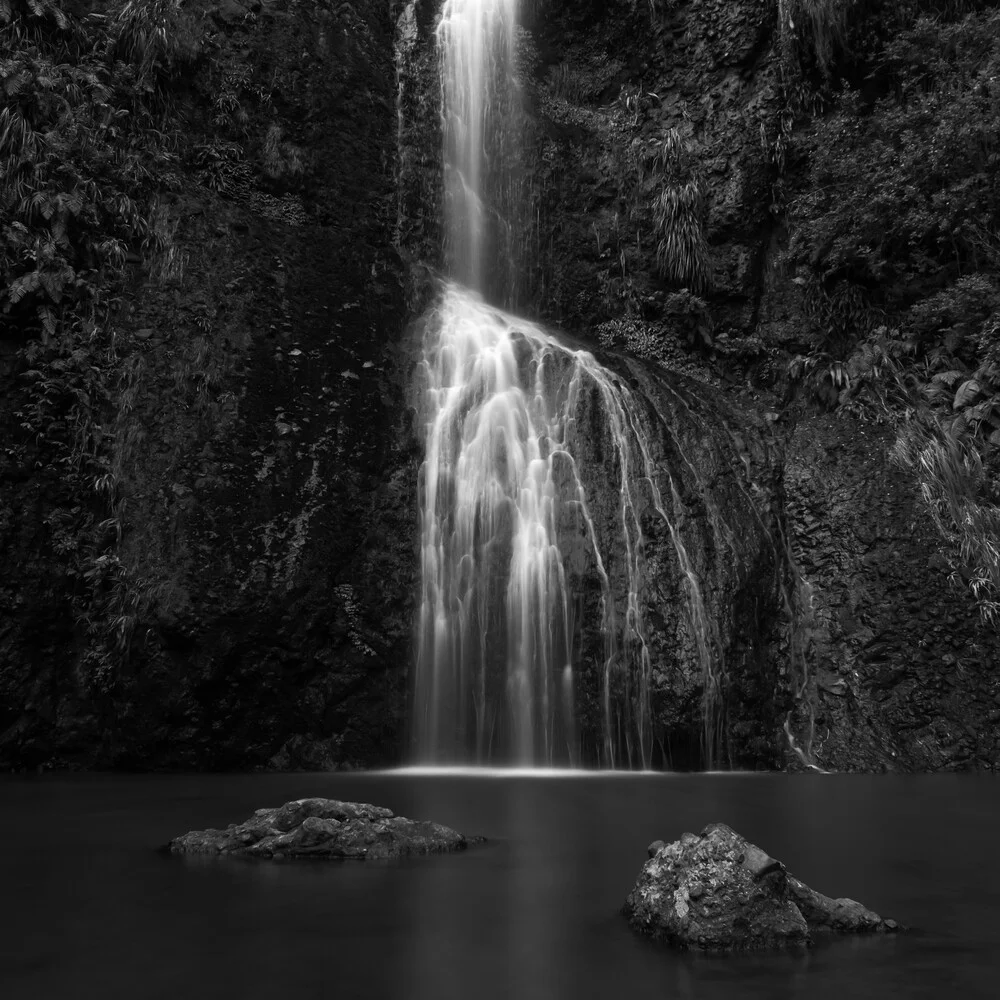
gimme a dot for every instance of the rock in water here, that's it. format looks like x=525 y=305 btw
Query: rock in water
x=324 y=828
x=719 y=892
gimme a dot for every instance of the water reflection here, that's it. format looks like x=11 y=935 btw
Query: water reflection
x=533 y=914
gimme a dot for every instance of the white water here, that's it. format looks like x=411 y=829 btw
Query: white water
x=503 y=505
x=479 y=97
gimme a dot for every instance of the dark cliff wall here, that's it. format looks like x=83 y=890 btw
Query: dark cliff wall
x=903 y=670
x=714 y=575
x=256 y=604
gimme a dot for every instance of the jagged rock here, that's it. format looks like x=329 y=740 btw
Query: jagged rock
x=301 y=753
x=719 y=892
x=324 y=828
x=229 y=13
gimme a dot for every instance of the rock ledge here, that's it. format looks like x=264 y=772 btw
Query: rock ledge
x=324 y=828
x=719 y=892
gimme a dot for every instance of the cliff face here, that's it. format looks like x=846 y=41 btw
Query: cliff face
x=240 y=592
x=902 y=674
x=255 y=605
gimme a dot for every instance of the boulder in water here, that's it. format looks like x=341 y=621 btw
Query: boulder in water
x=719 y=892
x=324 y=828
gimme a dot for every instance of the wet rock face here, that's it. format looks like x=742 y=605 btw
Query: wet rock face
x=712 y=648
x=902 y=673
x=324 y=828
x=668 y=583
x=718 y=892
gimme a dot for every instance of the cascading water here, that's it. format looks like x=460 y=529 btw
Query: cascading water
x=480 y=98
x=507 y=525
x=504 y=509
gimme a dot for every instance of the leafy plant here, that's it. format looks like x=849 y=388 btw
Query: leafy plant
x=653 y=7
x=654 y=342
x=689 y=316
x=158 y=41
x=284 y=163
x=868 y=385
x=824 y=379
x=960 y=319
x=215 y=163
x=678 y=208
x=80 y=155
x=569 y=83
x=962 y=498
x=927 y=196
x=30 y=18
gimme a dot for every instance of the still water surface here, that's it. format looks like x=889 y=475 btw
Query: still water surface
x=89 y=909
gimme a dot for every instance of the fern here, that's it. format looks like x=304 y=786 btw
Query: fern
x=23 y=286
x=959 y=494
x=158 y=39
x=283 y=162
x=38 y=10
x=678 y=209
x=18 y=141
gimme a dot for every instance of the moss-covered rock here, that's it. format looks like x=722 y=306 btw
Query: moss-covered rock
x=324 y=828
x=718 y=892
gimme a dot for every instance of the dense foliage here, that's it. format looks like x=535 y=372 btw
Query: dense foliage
x=895 y=241
x=924 y=205
x=84 y=155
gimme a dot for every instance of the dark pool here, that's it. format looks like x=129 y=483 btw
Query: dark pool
x=89 y=909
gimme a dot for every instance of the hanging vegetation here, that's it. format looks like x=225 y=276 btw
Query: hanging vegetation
x=84 y=156
x=678 y=211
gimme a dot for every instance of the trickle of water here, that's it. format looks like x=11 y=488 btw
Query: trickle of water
x=405 y=42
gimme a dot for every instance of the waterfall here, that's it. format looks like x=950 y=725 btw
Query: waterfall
x=503 y=506
x=480 y=99
x=523 y=436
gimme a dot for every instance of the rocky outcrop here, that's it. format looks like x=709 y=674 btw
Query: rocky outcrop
x=901 y=673
x=324 y=828
x=719 y=892
x=714 y=573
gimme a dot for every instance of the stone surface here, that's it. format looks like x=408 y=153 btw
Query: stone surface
x=888 y=634
x=324 y=828
x=719 y=892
